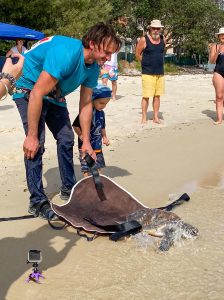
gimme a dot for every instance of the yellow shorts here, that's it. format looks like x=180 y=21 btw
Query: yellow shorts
x=152 y=85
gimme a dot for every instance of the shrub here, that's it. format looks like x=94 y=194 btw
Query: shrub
x=170 y=68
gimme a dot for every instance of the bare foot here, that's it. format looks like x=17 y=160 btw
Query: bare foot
x=217 y=123
x=144 y=122
x=114 y=99
x=157 y=121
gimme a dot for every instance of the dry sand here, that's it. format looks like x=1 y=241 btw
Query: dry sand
x=184 y=154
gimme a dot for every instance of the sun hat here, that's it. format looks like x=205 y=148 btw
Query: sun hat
x=156 y=23
x=101 y=91
x=221 y=31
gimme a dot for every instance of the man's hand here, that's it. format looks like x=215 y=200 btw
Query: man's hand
x=87 y=148
x=30 y=147
x=14 y=69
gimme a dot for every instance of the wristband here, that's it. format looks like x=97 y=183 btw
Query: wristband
x=12 y=81
x=6 y=89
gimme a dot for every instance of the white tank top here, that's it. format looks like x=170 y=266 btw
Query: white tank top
x=15 y=50
x=113 y=61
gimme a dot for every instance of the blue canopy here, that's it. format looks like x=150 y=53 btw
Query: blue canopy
x=12 y=32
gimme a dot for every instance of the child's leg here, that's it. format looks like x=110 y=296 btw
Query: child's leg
x=114 y=89
x=84 y=166
x=100 y=162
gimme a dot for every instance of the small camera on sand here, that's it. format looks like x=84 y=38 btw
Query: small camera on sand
x=34 y=256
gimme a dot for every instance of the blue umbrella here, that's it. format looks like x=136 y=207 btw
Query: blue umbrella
x=12 y=32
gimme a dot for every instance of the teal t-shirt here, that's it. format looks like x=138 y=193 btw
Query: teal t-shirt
x=63 y=58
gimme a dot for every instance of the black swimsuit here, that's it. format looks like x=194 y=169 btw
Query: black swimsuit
x=219 y=67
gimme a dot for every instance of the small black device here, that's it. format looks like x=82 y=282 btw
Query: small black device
x=3 y=59
x=34 y=256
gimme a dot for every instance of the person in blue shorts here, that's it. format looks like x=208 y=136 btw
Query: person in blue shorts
x=109 y=71
x=53 y=68
x=100 y=97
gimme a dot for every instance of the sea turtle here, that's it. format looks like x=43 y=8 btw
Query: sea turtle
x=164 y=224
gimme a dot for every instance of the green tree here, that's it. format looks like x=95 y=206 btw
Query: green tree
x=73 y=18
x=35 y=14
x=68 y=17
x=189 y=25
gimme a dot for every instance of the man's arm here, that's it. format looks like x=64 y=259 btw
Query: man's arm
x=139 y=48
x=43 y=86
x=85 y=117
x=78 y=131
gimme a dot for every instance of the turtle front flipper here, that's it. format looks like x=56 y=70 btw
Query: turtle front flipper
x=167 y=240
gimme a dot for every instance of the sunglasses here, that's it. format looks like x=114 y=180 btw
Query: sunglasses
x=155 y=28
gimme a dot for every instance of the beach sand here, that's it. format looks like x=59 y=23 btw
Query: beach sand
x=154 y=163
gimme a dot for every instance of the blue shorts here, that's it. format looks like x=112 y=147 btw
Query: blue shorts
x=100 y=162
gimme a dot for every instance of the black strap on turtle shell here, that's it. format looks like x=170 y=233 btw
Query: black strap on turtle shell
x=129 y=228
x=120 y=230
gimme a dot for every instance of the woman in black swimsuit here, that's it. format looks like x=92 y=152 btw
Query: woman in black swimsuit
x=217 y=56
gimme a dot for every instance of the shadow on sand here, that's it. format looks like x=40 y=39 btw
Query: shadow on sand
x=14 y=254
x=54 y=183
x=210 y=113
x=6 y=107
x=118 y=97
x=150 y=115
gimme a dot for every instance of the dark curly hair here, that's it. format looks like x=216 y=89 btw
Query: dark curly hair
x=101 y=33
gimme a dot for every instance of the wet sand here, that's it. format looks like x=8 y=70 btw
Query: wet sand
x=153 y=163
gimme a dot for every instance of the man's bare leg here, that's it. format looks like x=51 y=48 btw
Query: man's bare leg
x=145 y=104
x=114 y=89
x=156 y=106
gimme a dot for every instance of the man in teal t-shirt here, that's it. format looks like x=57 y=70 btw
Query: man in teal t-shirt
x=53 y=68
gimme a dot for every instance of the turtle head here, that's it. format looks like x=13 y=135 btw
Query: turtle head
x=189 y=231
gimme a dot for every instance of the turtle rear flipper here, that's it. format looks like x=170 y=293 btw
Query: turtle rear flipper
x=168 y=240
